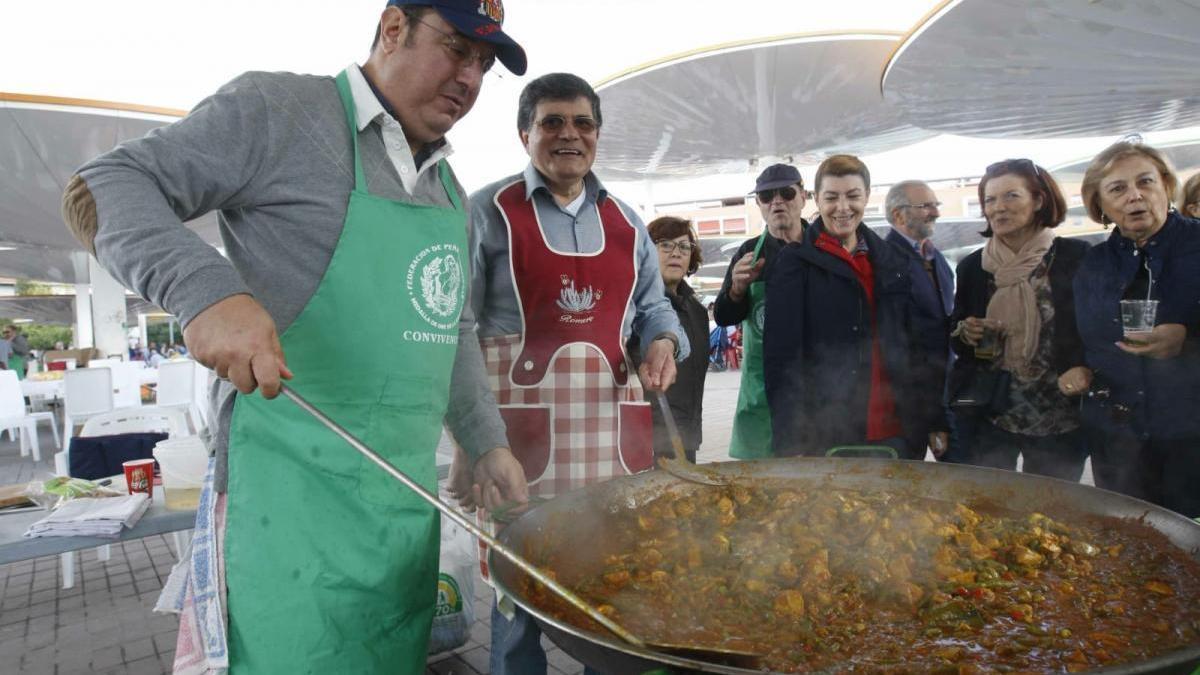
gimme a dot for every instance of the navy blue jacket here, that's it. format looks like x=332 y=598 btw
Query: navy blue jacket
x=1163 y=395
x=931 y=329
x=976 y=287
x=817 y=343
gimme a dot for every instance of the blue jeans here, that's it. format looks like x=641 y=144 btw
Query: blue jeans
x=517 y=645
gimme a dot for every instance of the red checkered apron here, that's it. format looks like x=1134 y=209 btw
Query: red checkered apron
x=574 y=415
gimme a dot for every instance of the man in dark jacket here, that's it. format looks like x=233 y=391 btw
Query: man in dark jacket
x=912 y=209
x=780 y=194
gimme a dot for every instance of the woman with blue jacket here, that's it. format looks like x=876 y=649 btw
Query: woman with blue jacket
x=1142 y=411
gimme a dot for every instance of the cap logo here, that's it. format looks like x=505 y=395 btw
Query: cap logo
x=492 y=9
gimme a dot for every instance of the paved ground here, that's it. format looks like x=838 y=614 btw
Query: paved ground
x=104 y=624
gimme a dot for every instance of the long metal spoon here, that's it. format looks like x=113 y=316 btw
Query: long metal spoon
x=717 y=655
x=525 y=566
x=679 y=466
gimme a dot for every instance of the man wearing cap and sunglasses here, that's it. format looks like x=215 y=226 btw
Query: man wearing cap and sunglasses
x=562 y=273
x=345 y=230
x=780 y=194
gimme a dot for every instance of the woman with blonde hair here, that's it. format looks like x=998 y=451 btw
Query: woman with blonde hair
x=1189 y=200
x=1141 y=410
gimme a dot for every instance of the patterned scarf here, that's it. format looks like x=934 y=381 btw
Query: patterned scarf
x=1014 y=304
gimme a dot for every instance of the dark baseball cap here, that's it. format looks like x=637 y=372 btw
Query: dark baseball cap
x=480 y=20
x=777 y=176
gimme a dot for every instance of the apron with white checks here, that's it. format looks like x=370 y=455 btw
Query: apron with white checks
x=574 y=415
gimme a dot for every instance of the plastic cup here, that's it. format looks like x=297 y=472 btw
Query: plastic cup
x=139 y=476
x=989 y=345
x=1137 y=316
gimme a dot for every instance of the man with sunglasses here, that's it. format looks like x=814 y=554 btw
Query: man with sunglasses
x=346 y=235
x=780 y=194
x=912 y=209
x=561 y=274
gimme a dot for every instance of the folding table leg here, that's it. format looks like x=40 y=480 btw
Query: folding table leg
x=68 y=568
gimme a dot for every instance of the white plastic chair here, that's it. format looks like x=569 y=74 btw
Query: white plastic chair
x=177 y=389
x=127 y=387
x=14 y=415
x=143 y=420
x=86 y=392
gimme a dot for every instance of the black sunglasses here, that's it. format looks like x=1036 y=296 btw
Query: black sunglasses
x=1013 y=165
x=767 y=196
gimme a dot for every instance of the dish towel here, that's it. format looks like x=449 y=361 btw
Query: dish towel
x=196 y=591
x=92 y=517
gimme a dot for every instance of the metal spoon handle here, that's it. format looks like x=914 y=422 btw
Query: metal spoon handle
x=527 y=567
x=672 y=429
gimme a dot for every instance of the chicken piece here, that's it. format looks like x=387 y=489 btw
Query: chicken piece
x=741 y=494
x=966 y=516
x=788 y=570
x=647 y=523
x=790 y=603
x=721 y=543
x=659 y=577
x=726 y=519
x=1026 y=557
x=651 y=557
x=725 y=505
x=756 y=586
x=684 y=508
x=617 y=579
x=1159 y=587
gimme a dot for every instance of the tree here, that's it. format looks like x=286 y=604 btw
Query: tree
x=27 y=287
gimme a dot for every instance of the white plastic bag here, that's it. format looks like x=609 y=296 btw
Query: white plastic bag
x=456 y=589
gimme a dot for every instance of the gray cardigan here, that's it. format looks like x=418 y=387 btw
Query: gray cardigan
x=272 y=153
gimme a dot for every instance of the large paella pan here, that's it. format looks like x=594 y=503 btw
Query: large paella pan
x=868 y=565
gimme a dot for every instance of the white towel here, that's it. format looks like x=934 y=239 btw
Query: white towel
x=90 y=517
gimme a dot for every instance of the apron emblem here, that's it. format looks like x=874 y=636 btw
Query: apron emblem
x=760 y=316
x=440 y=276
x=577 y=302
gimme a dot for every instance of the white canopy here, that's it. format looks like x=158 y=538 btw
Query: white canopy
x=724 y=109
x=1020 y=69
x=43 y=140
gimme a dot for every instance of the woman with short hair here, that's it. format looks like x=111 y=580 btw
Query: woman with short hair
x=836 y=347
x=1141 y=413
x=1021 y=398
x=678 y=258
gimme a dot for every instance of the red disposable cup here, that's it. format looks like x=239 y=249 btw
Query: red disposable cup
x=139 y=476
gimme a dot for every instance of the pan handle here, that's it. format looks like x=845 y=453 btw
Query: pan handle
x=464 y=521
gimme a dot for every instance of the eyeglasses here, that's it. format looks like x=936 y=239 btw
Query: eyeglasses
x=927 y=206
x=768 y=196
x=668 y=247
x=461 y=52
x=552 y=124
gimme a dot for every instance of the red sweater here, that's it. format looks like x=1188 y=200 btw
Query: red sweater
x=882 y=422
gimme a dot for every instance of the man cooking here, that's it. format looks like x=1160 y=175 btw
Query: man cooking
x=779 y=191
x=345 y=230
x=561 y=274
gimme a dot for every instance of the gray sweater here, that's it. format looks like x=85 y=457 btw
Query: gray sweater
x=272 y=152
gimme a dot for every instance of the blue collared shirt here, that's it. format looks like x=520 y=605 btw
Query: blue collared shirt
x=926 y=250
x=493 y=296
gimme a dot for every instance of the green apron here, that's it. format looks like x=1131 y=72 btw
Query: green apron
x=752 y=419
x=17 y=363
x=331 y=565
